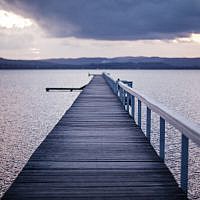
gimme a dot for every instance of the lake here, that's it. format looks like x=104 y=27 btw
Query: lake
x=28 y=112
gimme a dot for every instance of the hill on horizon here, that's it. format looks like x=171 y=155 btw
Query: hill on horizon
x=103 y=63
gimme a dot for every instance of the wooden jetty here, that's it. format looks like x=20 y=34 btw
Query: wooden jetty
x=96 y=151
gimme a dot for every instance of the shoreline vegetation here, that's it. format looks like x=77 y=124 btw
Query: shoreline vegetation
x=103 y=63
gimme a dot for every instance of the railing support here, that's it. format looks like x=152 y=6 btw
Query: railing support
x=191 y=130
x=127 y=102
x=121 y=94
x=184 y=163
x=162 y=139
x=133 y=107
x=148 y=125
x=124 y=99
x=139 y=113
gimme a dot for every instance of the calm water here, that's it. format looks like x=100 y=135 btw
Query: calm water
x=28 y=113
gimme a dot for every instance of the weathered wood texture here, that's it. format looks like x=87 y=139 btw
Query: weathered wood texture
x=95 y=152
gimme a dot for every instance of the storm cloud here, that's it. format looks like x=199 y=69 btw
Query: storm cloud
x=112 y=19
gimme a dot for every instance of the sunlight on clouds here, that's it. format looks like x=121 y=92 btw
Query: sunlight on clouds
x=22 y=38
x=194 y=37
x=10 y=20
x=19 y=37
x=35 y=50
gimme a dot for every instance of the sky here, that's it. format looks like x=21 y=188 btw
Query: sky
x=40 y=29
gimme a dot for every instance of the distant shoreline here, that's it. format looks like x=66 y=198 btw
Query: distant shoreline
x=18 y=69
x=118 y=63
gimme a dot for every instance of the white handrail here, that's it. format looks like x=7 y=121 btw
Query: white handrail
x=189 y=129
x=186 y=126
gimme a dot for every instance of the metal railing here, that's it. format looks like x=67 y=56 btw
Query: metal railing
x=188 y=129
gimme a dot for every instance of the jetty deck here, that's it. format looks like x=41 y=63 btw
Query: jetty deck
x=96 y=151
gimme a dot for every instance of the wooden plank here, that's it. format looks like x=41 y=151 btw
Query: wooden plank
x=95 y=151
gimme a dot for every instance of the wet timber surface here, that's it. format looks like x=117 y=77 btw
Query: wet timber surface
x=96 y=151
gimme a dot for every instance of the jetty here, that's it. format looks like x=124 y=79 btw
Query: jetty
x=97 y=151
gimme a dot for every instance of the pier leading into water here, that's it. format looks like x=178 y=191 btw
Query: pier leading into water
x=97 y=151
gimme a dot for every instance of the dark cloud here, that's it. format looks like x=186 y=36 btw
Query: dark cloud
x=112 y=19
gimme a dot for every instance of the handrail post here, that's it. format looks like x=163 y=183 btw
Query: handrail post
x=148 y=125
x=139 y=113
x=117 y=92
x=133 y=107
x=124 y=99
x=162 y=139
x=127 y=102
x=117 y=86
x=184 y=163
x=120 y=94
x=123 y=96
